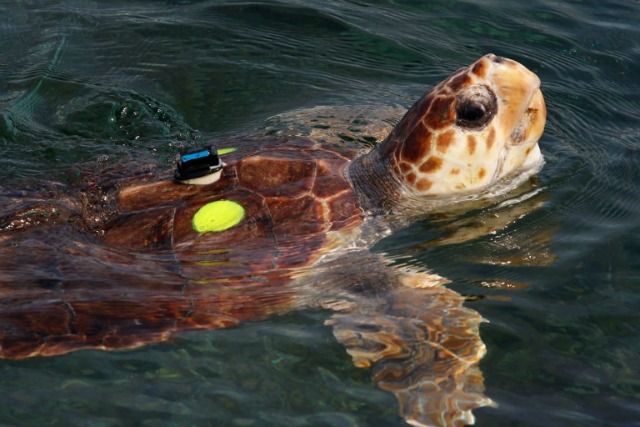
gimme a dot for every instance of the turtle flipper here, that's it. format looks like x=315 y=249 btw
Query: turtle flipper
x=424 y=346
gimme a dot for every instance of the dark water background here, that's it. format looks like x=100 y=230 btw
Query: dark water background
x=84 y=81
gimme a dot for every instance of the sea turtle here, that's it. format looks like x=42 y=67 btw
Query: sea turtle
x=128 y=260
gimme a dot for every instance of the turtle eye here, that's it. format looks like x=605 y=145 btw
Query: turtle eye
x=475 y=109
x=472 y=112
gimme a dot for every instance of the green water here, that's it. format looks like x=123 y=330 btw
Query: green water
x=84 y=81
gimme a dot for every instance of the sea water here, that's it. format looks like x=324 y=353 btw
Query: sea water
x=558 y=280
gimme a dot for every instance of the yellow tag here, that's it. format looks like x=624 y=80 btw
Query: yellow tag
x=223 y=151
x=217 y=216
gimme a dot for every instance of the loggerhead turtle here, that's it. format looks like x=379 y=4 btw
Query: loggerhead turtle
x=286 y=225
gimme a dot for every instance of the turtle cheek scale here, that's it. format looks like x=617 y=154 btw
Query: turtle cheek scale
x=465 y=164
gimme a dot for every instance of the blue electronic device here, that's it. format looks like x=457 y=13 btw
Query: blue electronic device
x=198 y=163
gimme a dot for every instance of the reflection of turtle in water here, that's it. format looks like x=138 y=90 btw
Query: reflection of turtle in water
x=286 y=226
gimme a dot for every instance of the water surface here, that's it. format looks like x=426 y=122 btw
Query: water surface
x=84 y=81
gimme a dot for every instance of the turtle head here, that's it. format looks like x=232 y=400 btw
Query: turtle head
x=476 y=128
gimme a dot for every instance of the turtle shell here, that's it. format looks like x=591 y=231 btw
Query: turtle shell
x=293 y=190
x=157 y=274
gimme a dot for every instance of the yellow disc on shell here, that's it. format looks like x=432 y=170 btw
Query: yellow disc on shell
x=217 y=216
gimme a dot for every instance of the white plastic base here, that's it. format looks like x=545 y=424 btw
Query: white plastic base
x=203 y=180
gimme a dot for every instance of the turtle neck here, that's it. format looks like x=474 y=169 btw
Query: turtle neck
x=375 y=183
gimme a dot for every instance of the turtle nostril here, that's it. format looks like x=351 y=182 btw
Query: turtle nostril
x=497 y=59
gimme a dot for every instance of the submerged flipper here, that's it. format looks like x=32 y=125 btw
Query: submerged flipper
x=62 y=290
x=423 y=345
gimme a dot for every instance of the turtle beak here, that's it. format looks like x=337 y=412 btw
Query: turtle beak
x=533 y=127
x=535 y=117
x=524 y=115
x=521 y=101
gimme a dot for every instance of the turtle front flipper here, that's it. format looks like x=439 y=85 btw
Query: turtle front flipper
x=422 y=344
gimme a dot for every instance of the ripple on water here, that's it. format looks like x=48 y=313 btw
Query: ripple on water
x=558 y=282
